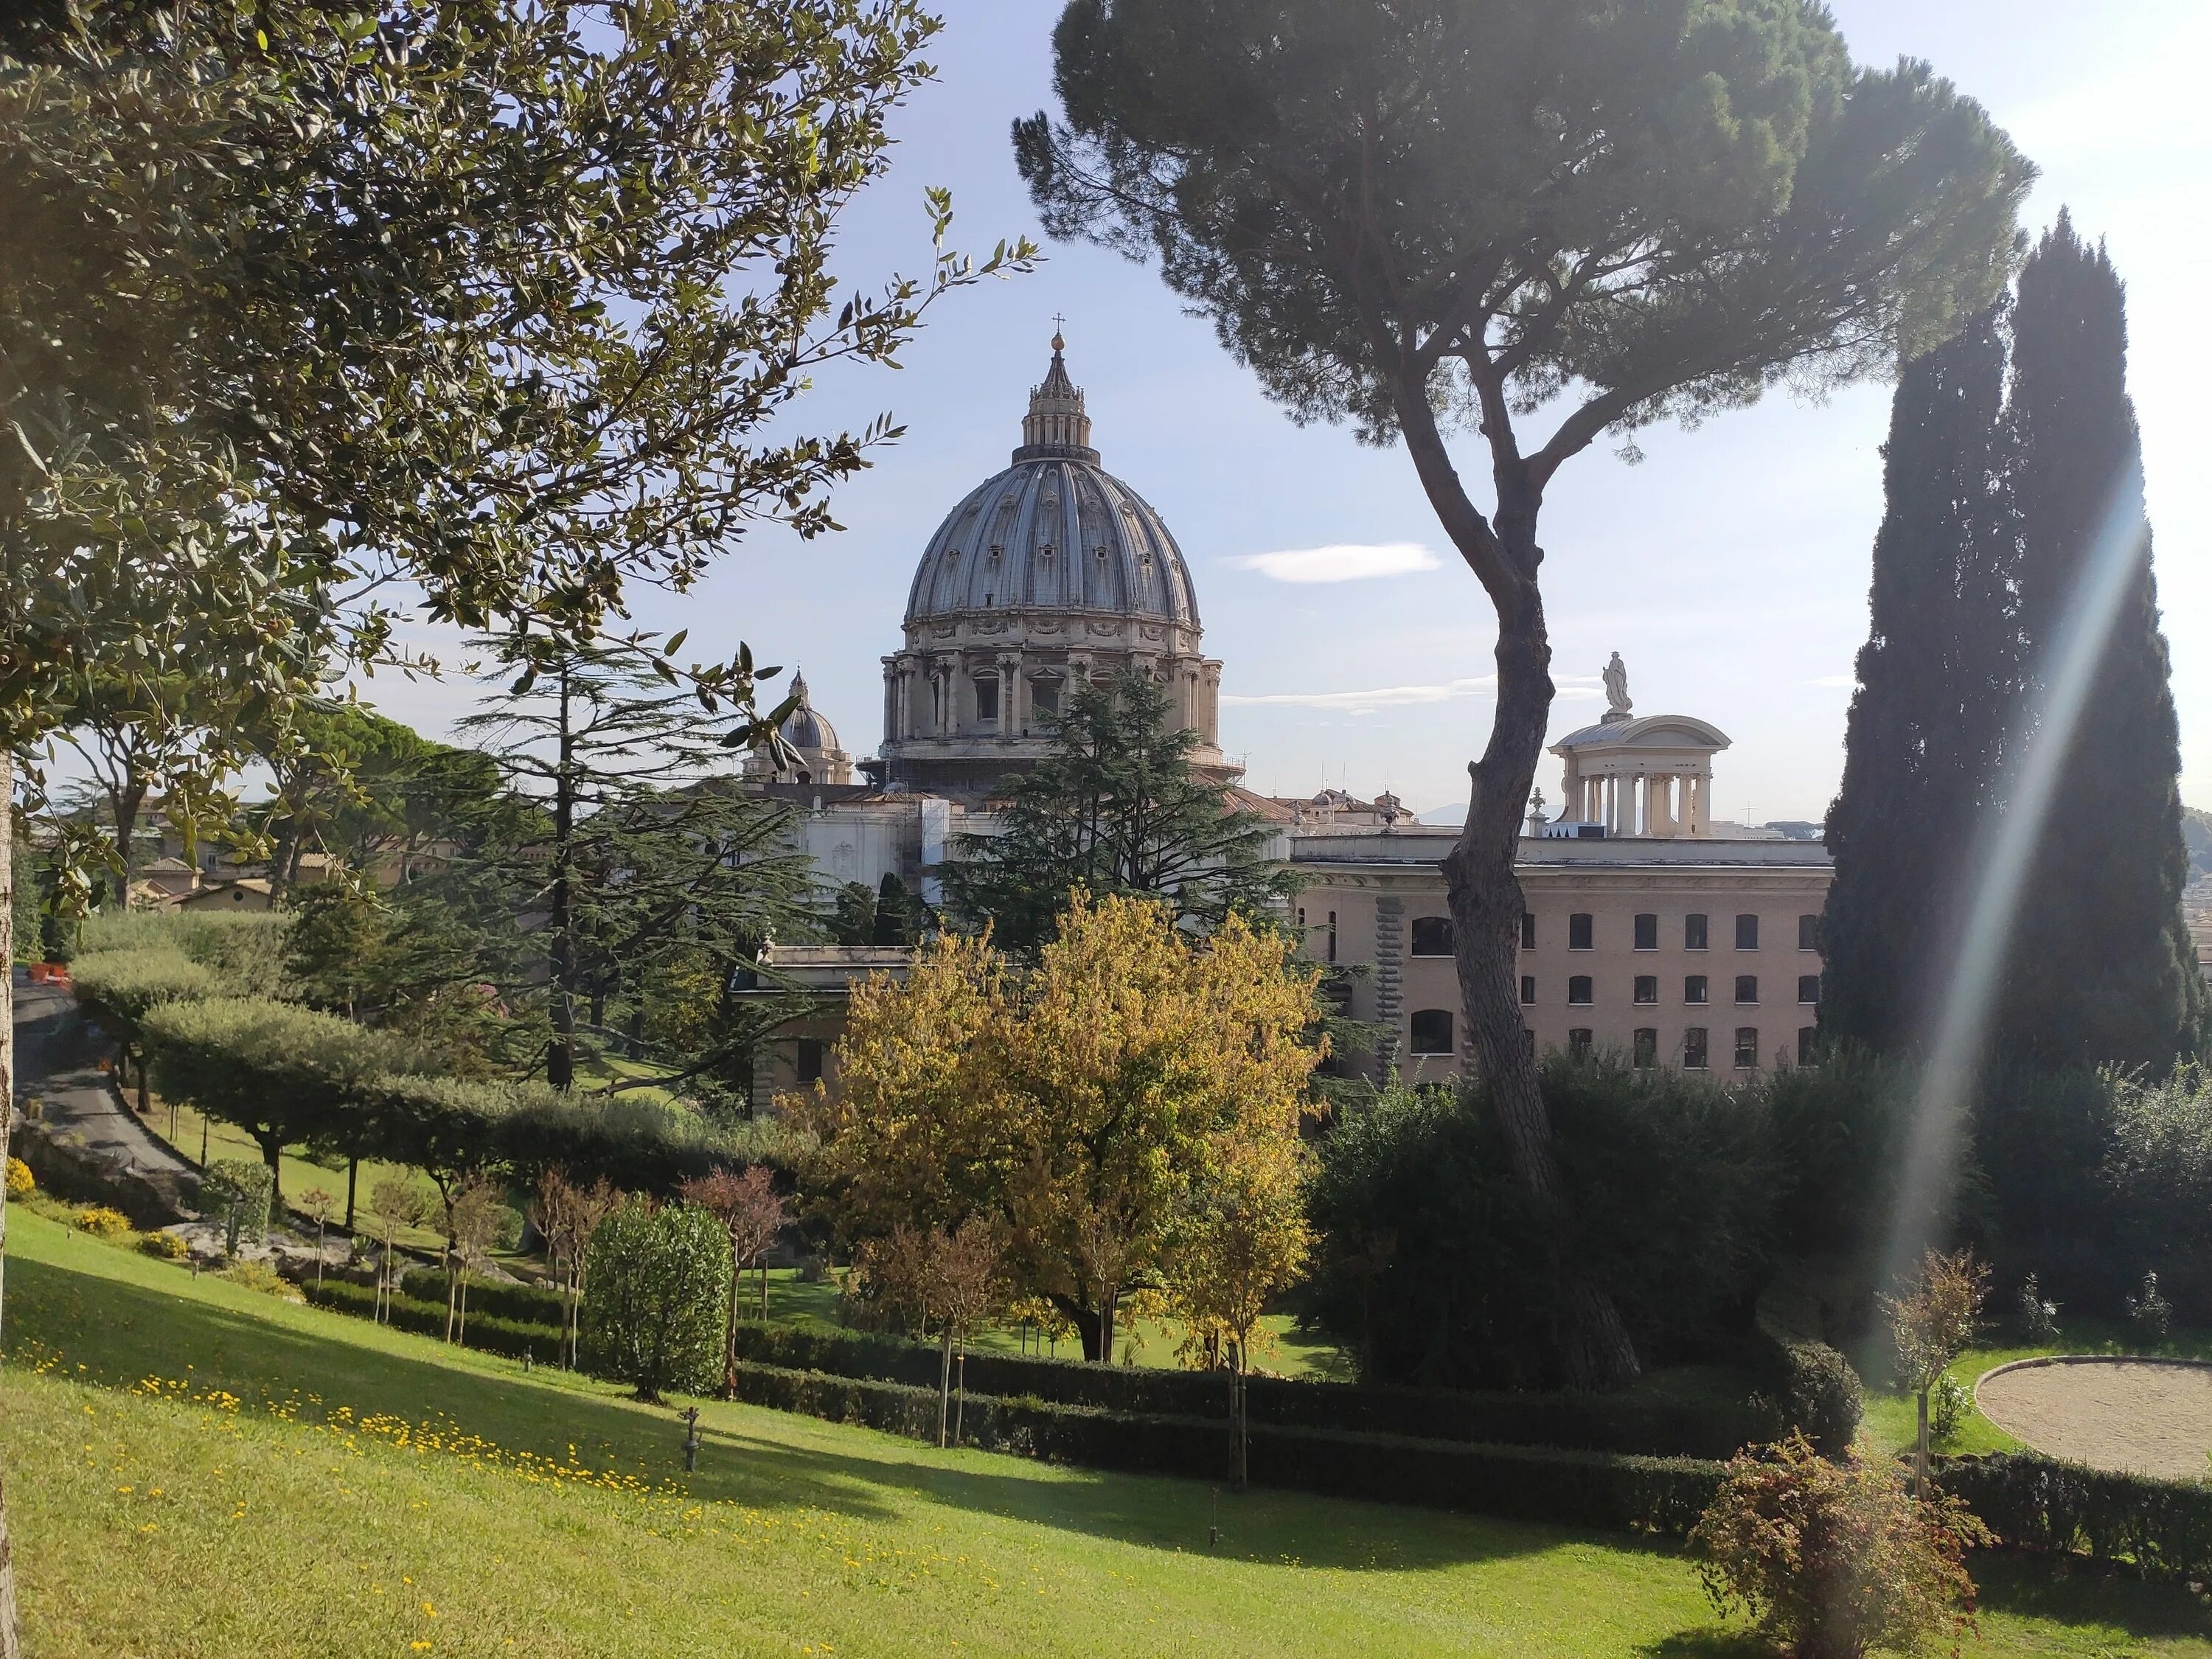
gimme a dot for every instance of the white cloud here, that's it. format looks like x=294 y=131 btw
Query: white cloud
x=1389 y=697
x=1344 y=562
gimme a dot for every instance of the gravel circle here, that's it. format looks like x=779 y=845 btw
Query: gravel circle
x=2132 y=1416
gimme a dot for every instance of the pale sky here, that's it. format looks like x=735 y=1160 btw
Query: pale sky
x=1729 y=569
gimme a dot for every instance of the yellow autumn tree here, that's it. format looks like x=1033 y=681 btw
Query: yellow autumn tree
x=1243 y=1236
x=918 y=1131
x=1080 y=1104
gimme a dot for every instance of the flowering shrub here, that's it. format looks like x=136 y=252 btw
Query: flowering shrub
x=2149 y=1314
x=102 y=1222
x=21 y=1182
x=260 y=1276
x=1834 y=1559
x=166 y=1246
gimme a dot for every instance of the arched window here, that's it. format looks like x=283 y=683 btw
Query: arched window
x=1432 y=1031
x=1432 y=936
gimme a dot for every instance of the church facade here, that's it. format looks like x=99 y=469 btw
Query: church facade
x=1652 y=930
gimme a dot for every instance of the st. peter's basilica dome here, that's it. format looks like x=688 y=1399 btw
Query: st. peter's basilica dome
x=1049 y=572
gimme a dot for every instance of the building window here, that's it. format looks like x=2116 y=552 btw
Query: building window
x=1044 y=698
x=810 y=1051
x=1746 y=933
x=987 y=699
x=1578 y=991
x=1694 y=932
x=1808 y=1045
x=1746 y=1047
x=1302 y=918
x=1432 y=936
x=1693 y=1049
x=1527 y=990
x=1647 y=988
x=1747 y=988
x=1527 y=930
x=1579 y=931
x=1332 y=936
x=1432 y=1031
x=1645 y=1052
x=1809 y=989
x=1579 y=1041
x=1647 y=932
x=1809 y=933
x=1528 y=1041
x=1696 y=989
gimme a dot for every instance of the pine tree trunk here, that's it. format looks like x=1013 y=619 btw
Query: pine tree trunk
x=1486 y=899
x=353 y=1179
x=11 y=1645
x=561 y=1056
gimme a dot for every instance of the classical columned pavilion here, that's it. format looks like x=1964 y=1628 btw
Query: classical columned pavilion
x=1650 y=776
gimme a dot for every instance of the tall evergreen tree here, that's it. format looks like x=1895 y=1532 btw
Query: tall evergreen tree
x=1116 y=809
x=1933 y=678
x=2103 y=971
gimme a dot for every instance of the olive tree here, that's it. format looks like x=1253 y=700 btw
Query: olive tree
x=1542 y=222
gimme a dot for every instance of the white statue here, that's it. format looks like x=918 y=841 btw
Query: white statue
x=1616 y=687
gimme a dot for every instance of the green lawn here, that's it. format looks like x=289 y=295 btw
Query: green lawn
x=1891 y=1421
x=194 y=1469
x=791 y=1300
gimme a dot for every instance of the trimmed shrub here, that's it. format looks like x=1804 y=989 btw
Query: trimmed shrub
x=2162 y=1528
x=1566 y=1420
x=21 y=1184
x=525 y=1304
x=1817 y=1393
x=1591 y=1489
x=516 y=1339
x=103 y=1222
x=283 y=1073
x=246 y=953
x=123 y=986
x=656 y=1298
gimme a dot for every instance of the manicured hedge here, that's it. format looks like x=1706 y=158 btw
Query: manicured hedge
x=2163 y=1528
x=489 y=1332
x=1568 y=1421
x=1531 y=1483
x=525 y=1304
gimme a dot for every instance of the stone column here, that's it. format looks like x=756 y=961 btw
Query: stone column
x=1663 y=806
x=1010 y=695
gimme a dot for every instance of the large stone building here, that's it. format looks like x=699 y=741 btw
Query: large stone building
x=1651 y=929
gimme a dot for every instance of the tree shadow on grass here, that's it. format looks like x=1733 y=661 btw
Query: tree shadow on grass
x=113 y=1332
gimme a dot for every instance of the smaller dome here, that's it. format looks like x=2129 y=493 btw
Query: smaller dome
x=803 y=727
x=810 y=753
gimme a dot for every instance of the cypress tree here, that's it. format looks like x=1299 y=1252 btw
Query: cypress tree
x=2103 y=971
x=1933 y=682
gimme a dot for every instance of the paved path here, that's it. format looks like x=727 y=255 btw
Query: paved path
x=58 y=1054
x=2138 y=1416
